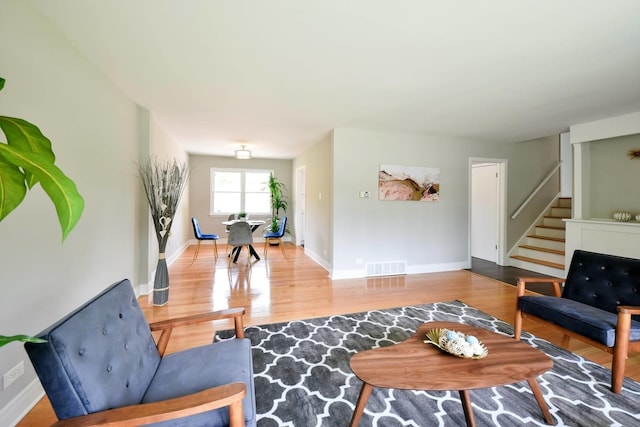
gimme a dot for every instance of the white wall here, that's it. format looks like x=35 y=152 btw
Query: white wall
x=318 y=236
x=93 y=129
x=95 y=133
x=614 y=177
x=430 y=236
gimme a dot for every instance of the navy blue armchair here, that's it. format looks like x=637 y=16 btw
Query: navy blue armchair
x=599 y=304
x=101 y=365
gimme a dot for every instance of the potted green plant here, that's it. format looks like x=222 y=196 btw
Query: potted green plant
x=278 y=201
x=27 y=159
x=242 y=215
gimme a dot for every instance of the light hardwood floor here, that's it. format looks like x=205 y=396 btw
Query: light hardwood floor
x=282 y=289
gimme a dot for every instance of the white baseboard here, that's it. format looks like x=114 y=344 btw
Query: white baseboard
x=15 y=410
x=415 y=269
x=317 y=259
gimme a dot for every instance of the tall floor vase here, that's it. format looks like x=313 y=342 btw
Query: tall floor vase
x=161 y=282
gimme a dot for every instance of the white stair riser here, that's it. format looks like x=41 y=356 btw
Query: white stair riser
x=553 y=222
x=563 y=212
x=550 y=232
x=542 y=269
x=543 y=256
x=548 y=244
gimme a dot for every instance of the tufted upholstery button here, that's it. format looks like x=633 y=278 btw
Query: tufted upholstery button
x=603 y=268
x=104 y=331
x=126 y=346
x=120 y=315
x=82 y=351
x=109 y=368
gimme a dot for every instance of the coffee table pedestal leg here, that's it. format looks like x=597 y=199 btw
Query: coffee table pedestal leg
x=466 y=407
x=365 y=392
x=540 y=399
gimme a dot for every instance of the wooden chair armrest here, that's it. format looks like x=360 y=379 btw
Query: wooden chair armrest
x=521 y=284
x=166 y=326
x=146 y=413
x=629 y=309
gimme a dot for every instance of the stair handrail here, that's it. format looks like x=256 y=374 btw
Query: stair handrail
x=536 y=190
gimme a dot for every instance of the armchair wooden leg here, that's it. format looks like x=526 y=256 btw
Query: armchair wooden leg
x=236 y=415
x=517 y=324
x=281 y=243
x=215 y=250
x=620 y=351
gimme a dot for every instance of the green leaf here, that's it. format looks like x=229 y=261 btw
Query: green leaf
x=12 y=187
x=4 y=340
x=61 y=190
x=27 y=137
x=1 y=83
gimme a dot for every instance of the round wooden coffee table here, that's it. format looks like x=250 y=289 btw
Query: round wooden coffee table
x=415 y=365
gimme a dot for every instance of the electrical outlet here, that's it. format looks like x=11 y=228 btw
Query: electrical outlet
x=11 y=376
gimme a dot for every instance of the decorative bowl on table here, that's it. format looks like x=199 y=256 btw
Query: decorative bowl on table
x=457 y=343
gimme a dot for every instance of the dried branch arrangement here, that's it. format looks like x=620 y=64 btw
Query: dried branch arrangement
x=163 y=185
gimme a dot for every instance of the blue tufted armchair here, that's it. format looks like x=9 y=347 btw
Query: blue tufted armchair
x=101 y=365
x=599 y=304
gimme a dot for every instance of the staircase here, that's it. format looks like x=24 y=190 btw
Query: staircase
x=542 y=250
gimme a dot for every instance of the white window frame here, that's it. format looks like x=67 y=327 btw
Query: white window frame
x=243 y=172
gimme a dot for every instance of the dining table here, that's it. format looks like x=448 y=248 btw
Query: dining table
x=254 y=223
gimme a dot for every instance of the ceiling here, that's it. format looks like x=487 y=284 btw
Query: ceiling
x=278 y=75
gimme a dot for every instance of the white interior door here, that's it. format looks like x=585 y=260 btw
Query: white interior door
x=484 y=211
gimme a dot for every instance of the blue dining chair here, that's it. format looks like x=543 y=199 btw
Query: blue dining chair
x=200 y=237
x=275 y=236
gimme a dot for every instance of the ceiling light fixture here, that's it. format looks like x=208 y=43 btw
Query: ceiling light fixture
x=243 y=154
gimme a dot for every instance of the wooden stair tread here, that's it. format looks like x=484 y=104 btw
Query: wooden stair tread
x=539 y=261
x=540 y=249
x=555 y=239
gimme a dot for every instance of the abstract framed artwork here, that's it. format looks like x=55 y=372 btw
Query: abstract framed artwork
x=408 y=183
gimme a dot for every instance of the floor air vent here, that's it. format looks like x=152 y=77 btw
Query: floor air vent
x=388 y=268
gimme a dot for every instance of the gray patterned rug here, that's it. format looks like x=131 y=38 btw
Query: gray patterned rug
x=303 y=379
